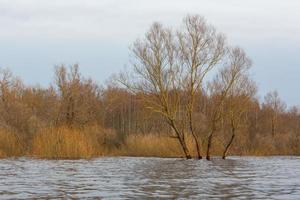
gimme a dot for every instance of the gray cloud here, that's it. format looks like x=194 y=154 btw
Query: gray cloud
x=114 y=19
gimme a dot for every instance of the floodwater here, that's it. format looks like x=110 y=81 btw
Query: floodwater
x=140 y=178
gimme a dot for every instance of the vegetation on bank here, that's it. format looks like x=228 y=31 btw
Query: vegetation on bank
x=188 y=94
x=65 y=143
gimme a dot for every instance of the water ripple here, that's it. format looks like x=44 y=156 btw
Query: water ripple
x=139 y=178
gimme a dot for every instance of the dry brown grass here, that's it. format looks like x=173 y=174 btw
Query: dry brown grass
x=72 y=143
x=152 y=145
x=68 y=143
x=10 y=144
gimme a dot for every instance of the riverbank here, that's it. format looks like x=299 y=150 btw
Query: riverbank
x=66 y=143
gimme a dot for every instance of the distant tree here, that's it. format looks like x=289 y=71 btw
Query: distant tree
x=275 y=106
x=79 y=98
x=14 y=114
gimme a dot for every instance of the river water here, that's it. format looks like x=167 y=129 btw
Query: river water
x=140 y=178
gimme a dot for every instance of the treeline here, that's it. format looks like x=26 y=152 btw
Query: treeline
x=188 y=94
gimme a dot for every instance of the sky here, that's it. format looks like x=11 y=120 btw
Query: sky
x=36 y=35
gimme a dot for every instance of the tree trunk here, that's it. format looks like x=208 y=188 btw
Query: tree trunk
x=229 y=144
x=273 y=127
x=197 y=146
x=197 y=143
x=209 y=141
x=185 y=149
x=181 y=140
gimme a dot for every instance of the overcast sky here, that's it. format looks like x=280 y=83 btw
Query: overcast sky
x=35 y=35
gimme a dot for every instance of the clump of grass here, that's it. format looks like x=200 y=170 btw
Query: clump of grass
x=62 y=142
x=73 y=143
x=10 y=144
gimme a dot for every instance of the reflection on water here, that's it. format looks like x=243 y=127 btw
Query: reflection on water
x=127 y=178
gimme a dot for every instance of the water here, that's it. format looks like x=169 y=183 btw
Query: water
x=140 y=178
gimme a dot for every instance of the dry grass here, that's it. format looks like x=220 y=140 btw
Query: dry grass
x=10 y=144
x=62 y=143
x=71 y=143
x=152 y=145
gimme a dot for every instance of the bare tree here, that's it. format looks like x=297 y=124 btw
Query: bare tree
x=236 y=105
x=238 y=65
x=78 y=97
x=276 y=106
x=170 y=68
x=157 y=77
x=13 y=112
x=200 y=50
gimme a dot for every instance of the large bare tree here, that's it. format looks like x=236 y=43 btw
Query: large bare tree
x=169 y=70
x=157 y=77
x=200 y=50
